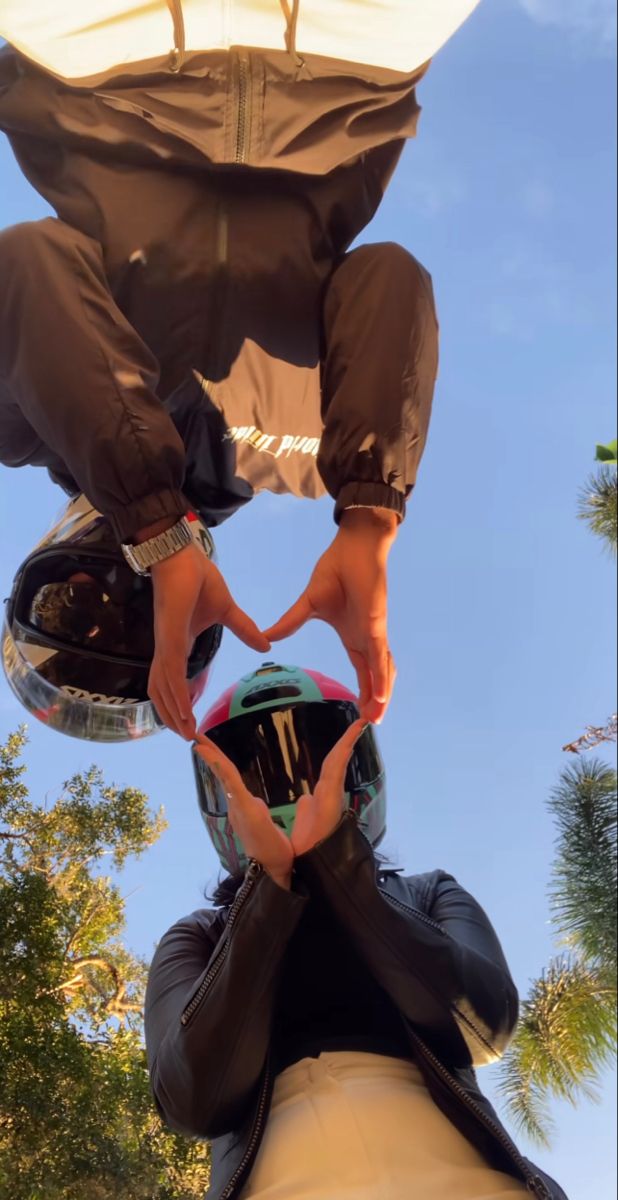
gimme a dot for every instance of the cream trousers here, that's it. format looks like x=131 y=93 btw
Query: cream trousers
x=353 y=1126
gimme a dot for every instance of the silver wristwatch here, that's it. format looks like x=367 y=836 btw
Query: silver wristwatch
x=141 y=558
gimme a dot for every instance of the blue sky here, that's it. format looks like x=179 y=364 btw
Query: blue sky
x=502 y=604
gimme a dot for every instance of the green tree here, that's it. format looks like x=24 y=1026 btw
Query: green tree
x=583 y=889
x=567 y=1031
x=566 y=1036
x=598 y=501
x=76 y=1116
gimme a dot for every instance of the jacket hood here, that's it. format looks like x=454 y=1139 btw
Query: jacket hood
x=77 y=41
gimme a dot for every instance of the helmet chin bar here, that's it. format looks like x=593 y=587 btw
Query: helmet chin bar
x=74 y=711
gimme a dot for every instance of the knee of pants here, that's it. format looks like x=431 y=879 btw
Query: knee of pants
x=24 y=246
x=391 y=266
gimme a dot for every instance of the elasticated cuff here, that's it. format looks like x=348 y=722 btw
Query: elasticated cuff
x=370 y=495
x=156 y=507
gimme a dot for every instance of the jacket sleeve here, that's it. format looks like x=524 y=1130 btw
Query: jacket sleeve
x=380 y=362
x=209 y=1006
x=444 y=968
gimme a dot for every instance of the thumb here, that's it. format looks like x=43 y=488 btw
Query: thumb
x=292 y=620
x=336 y=762
x=303 y=820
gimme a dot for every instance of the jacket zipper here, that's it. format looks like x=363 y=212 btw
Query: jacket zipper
x=254 y=1140
x=434 y=925
x=415 y=913
x=244 y=97
x=252 y=874
x=534 y=1183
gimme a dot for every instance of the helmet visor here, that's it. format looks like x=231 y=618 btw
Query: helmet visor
x=279 y=753
x=92 y=602
x=56 y=688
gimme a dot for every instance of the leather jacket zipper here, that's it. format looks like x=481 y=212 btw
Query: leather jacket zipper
x=534 y=1183
x=415 y=913
x=252 y=874
x=438 y=928
x=244 y=107
x=256 y=1134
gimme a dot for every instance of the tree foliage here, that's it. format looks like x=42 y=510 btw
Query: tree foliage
x=567 y=1031
x=583 y=889
x=76 y=1116
x=598 y=505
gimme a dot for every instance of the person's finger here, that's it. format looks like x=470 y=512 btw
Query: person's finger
x=336 y=762
x=377 y=661
x=392 y=677
x=175 y=687
x=160 y=706
x=304 y=817
x=164 y=704
x=363 y=675
x=241 y=624
x=292 y=620
x=374 y=710
x=223 y=767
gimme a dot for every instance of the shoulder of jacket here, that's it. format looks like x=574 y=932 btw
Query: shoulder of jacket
x=421 y=889
x=202 y=921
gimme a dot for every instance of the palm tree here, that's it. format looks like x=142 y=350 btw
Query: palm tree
x=583 y=889
x=567 y=1032
x=598 y=501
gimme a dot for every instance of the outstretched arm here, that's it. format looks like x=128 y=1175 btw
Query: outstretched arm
x=209 y=1007
x=443 y=967
x=379 y=371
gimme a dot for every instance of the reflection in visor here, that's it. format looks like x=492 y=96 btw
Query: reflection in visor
x=75 y=710
x=279 y=753
x=84 y=615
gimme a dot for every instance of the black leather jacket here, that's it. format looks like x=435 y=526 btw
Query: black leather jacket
x=213 y=986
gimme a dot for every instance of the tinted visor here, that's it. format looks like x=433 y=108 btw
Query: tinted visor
x=90 y=602
x=279 y=753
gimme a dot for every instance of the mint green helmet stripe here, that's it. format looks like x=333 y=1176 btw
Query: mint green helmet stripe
x=308 y=690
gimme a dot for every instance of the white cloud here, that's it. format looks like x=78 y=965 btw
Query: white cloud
x=594 y=20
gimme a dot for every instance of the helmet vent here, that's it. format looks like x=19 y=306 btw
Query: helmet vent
x=264 y=695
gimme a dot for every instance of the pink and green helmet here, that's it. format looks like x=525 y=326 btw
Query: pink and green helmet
x=277 y=725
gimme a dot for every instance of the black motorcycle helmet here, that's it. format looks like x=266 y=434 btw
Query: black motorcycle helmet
x=78 y=638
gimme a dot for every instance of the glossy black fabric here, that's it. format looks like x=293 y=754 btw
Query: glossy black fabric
x=424 y=941
x=196 y=332
x=326 y=999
